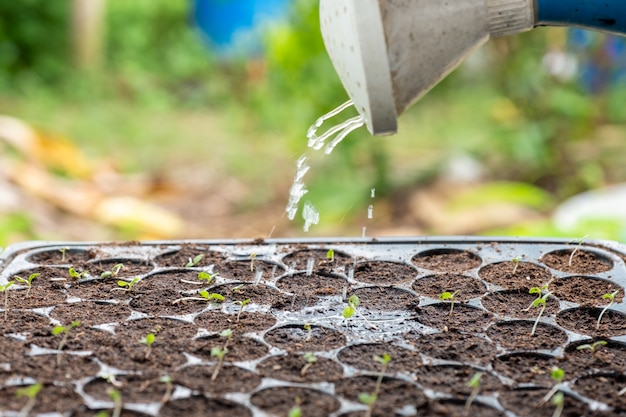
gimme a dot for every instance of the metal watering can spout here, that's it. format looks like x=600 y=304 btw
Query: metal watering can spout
x=389 y=53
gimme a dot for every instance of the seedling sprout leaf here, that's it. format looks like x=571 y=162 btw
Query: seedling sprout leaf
x=195 y=261
x=367 y=399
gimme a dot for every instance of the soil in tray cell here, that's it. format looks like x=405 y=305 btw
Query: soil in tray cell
x=186 y=256
x=300 y=260
x=394 y=393
x=227 y=379
x=47 y=368
x=453 y=346
x=604 y=388
x=453 y=379
x=279 y=400
x=516 y=335
x=240 y=348
x=303 y=368
x=585 y=291
x=166 y=332
x=384 y=273
x=216 y=321
x=444 y=317
x=62 y=256
x=583 y=262
x=518 y=304
x=249 y=271
x=132 y=388
x=529 y=402
x=51 y=398
x=585 y=319
x=527 y=368
x=200 y=406
x=10 y=353
x=297 y=339
x=167 y=303
x=90 y=313
x=594 y=356
x=361 y=357
x=21 y=321
x=384 y=298
x=447 y=260
x=110 y=267
x=178 y=279
x=315 y=284
x=457 y=408
x=434 y=285
x=241 y=291
x=511 y=276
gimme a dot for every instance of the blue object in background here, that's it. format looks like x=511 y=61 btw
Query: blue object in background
x=605 y=15
x=232 y=27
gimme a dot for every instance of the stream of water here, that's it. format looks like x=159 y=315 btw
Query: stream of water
x=326 y=141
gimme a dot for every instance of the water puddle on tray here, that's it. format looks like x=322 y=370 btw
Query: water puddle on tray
x=326 y=141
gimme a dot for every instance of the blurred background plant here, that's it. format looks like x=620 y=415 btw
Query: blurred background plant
x=184 y=139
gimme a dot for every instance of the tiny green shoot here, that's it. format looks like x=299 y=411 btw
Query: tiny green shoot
x=237 y=289
x=611 y=298
x=127 y=285
x=516 y=262
x=31 y=393
x=474 y=384
x=204 y=278
x=576 y=249
x=148 y=340
x=330 y=255
x=451 y=296
x=310 y=359
x=558 y=400
x=369 y=399
x=65 y=331
x=309 y=331
x=169 y=388
x=220 y=352
x=194 y=262
x=113 y=272
x=295 y=411
x=557 y=374
x=28 y=282
x=541 y=300
x=63 y=252
x=117 y=401
x=593 y=346
x=5 y=288
x=252 y=258
x=204 y=296
x=242 y=304
x=74 y=274
x=351 y=309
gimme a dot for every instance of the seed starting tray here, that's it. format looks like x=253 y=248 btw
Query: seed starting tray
x=260 y=328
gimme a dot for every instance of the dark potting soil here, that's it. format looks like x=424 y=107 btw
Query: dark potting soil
x=583 y=262
x=290 y=344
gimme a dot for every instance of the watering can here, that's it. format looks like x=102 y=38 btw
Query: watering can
x=389 y=53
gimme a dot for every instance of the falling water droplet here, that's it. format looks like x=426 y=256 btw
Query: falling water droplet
x=373 y=193
x=309 y=266
x=310 y=215
x=370 y=211
x=363 y=231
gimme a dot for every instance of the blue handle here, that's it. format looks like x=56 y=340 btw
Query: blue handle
x=604 y=15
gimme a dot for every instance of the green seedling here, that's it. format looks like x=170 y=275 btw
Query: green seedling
x=31 y=392
x=295 y=411
x=242 y=304
x=330 y=256
x=117 y=401
x=310 y=359
x=65 y=331
x=126 y=285
x=558 y=400
x=516 y=262
x=309 y=331
x=169 y=388
x=220 y=352
x=369 y=399
x=611 y=298
x=540 y=301
x=148 y=340
x=5 y=288
x=592 y=347
x=194 y=262
x=474 y=384
x=447 y=295
x=351 y=309
x=74 y=274
x=113 y=272
x=28 y=282
x=204 y=278
x=557 y=374
x=237 y=289
x=576 y=249
x=63 y=252
x=204 y=296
